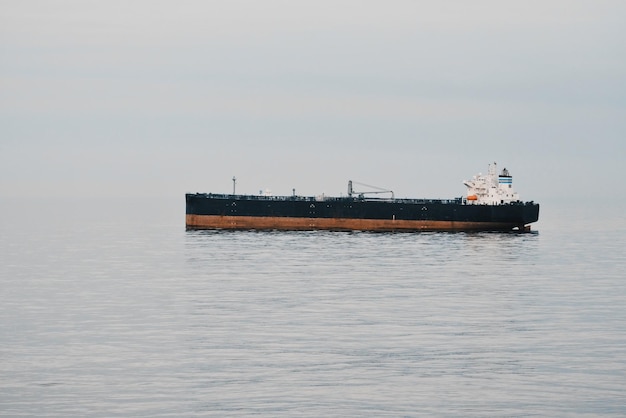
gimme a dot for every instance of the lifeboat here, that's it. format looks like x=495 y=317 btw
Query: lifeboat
x=472 y=197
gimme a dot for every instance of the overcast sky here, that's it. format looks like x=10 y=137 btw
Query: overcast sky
x=157 y=98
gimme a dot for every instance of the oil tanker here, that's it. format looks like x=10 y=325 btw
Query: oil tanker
x=490 y=204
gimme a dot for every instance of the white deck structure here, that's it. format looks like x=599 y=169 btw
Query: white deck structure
x=491 y=189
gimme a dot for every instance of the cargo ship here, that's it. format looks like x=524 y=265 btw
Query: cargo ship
x=490 y=204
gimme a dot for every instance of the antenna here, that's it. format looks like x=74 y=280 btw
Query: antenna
x=234 y=183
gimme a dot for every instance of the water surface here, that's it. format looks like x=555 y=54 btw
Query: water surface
x=110 y=308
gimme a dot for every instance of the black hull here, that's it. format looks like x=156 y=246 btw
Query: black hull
x=211 y=211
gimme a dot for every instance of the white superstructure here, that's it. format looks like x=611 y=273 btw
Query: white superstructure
x=491 y=189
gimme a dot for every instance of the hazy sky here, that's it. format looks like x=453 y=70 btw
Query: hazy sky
x=156 y=98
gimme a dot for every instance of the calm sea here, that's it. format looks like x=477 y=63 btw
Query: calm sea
x=110 y=308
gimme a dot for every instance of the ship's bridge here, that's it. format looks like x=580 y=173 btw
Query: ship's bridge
x=491 y=189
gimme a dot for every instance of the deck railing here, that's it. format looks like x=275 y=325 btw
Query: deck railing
x=458 y=200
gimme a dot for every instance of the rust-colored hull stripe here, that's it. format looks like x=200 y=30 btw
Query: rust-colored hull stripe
x=337 y=224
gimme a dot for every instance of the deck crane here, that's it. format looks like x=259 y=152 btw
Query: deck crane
x=361 y=194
